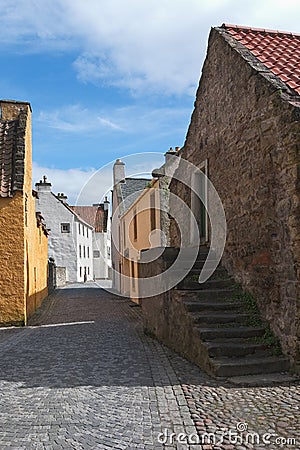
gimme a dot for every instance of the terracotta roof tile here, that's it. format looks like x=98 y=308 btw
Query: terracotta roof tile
x=93 y=215
x=8 y=136
x=12 y=152
x=279 y=51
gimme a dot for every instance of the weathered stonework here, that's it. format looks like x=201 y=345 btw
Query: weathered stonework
x=248 y=129
x=23 y=241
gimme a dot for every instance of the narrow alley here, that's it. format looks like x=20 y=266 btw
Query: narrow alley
x=84 y=376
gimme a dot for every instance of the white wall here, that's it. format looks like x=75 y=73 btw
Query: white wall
x=101 y=247
x=63 y=246
x=85 y=256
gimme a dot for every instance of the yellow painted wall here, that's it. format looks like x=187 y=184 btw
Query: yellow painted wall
x=12 y=250
x=142 y=208
x=36 y=261
x=23 y=245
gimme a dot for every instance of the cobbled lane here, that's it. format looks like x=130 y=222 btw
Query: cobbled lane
x=84 y=376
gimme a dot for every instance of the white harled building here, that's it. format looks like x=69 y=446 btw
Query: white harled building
x=71 y=237
x=97 y=216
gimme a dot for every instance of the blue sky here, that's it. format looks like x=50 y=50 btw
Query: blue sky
x=109 y=78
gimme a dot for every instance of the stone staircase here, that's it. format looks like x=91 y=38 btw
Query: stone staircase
x=233 y=341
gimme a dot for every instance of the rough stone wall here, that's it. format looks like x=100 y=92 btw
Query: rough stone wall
x=36 y=273
x=250 y=134
x=166 y=318
x=23 y=245
x=12 y=250
x=36 y=242
x=61 y=276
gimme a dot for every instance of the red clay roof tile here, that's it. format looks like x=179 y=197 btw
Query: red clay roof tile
x=279 y=51
x=93 y=215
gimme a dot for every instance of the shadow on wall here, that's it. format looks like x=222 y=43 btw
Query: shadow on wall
x=34 y=301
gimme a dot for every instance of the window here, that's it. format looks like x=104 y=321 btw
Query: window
x=84 y=251
x=87 y=232
x=88 y=270
x=82 y=230
x=65 y=227
x=96 y=254
x=88 y=252
x=124 y=234
x=79 y=251
x=79 y=228
x=135 y=233
x=152 y=211
x=132 y=275
x=108 y=251
x=80 y=272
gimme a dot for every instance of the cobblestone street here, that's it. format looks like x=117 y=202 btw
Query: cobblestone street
x=84 y=376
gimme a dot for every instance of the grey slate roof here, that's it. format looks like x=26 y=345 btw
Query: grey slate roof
x=12 y=154
x=130 y=190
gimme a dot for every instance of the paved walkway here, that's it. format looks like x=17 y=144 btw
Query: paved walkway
x=84 y=376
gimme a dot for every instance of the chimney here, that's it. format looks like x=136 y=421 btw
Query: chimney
x=171 y=161
x=119 y=171
x=43 y=185
x=169 y=155
x=106 y=204
x=62 y=197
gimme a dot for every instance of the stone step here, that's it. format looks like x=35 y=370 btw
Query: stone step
x=207 y=294
x=211 y=333
x=217 y=283
x=234 y=349
x=230 y=367
x=215 y=305
x=199 y=263
x=219 y=273
x=222 y=317
x=268 y=379
x=196 y=270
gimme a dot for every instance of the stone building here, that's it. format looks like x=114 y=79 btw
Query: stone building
x=97 y=217
x=23 y=239
x=70 y=238
x=245 y=133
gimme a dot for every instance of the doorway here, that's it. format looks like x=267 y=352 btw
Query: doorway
x=199 y=229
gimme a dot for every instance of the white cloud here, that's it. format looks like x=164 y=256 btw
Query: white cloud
x=69 y=181
x=130 y=119
x=145 y=46
x=76 y=119
x=90 y=185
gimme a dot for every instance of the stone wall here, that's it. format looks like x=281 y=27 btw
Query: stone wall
x=61 y=276
x=248 y=129
x=23 y=244
x=12 y=251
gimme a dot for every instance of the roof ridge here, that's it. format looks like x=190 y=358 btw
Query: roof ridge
x=68 y=207
x=137 y=178
x=259 y=30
